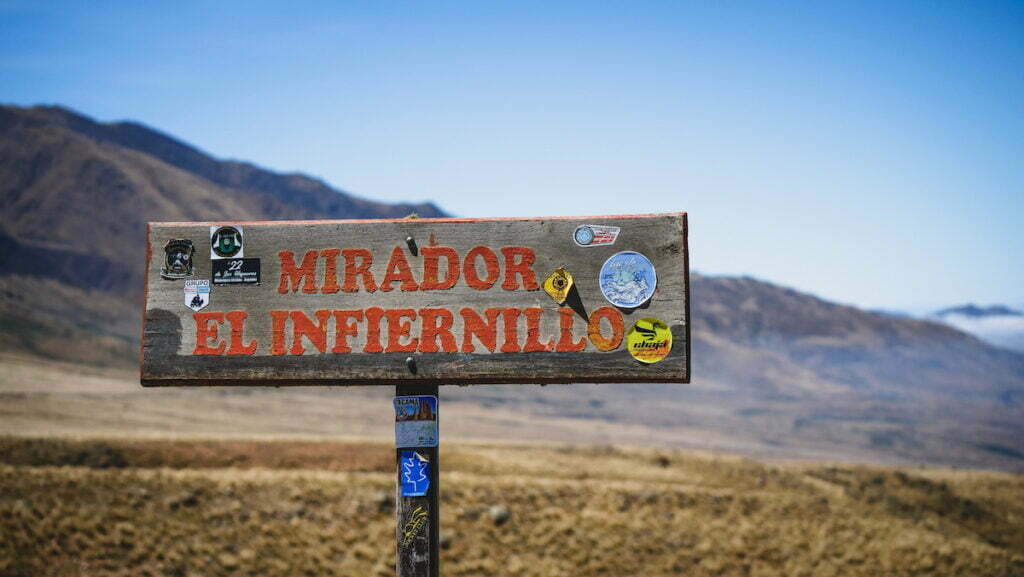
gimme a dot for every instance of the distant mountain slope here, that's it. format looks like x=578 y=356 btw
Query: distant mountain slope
x=776 y=371
x=846 y=347
x=973 y=310
x=69 y=183
x=76 y=195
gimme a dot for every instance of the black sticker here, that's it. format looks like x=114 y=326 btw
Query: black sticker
x=236 y=271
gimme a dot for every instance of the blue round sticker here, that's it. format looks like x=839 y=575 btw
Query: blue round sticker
x=628 y=279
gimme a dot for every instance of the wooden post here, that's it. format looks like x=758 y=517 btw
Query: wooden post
x=418 y=518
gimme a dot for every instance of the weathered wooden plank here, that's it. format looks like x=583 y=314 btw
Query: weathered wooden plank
x=532 y=335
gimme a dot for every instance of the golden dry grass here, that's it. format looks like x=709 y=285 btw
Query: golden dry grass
x=116 y=507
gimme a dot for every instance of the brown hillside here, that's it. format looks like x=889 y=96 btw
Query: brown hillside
x=76 y=195
x=776 y=372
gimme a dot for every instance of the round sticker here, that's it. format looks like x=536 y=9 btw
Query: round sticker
x=628 y=279
x=226 y=241
x=649 y=340
x=584 y=235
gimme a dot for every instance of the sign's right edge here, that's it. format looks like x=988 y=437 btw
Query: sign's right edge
x=686 y=291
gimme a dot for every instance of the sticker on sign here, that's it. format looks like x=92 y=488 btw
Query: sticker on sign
x=236 y=271
x=595 y=235
x=197 y=294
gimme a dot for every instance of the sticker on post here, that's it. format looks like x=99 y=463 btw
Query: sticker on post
x=416 y=421
x=197 y=294
x=628 y=279
x=230 y=271
x=415 y=471
x=177 y=259
x=595 y=235
x=649 y=340
x=226 y=242
x=412 y=529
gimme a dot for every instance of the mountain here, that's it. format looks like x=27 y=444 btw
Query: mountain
x=76 y=196
x=974 y=311
x=777 y=372
x=999 y=325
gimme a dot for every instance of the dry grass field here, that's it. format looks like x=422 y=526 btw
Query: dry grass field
x=288 y=507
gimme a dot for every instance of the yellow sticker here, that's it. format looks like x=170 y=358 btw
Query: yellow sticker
x=558 y=285
x=649 y=340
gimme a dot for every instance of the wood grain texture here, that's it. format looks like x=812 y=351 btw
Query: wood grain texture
x=170 y=331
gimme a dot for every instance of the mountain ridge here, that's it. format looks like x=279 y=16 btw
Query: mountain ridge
x=780 y=367
x=973 y=310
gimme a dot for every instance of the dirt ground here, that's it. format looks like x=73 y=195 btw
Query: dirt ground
x=272 y=507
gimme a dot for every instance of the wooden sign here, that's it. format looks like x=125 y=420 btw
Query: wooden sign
x=433 y=301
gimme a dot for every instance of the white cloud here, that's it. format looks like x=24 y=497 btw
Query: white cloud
x=1005 y=331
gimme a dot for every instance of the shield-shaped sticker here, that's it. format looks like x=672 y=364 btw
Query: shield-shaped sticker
x=177 y=259
x=197 y=294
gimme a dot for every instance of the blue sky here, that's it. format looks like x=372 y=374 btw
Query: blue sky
x=868 y=153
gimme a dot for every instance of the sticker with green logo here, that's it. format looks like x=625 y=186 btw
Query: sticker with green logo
x=226 y=242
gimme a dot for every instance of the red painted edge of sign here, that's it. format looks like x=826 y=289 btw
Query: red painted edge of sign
x=431 y=220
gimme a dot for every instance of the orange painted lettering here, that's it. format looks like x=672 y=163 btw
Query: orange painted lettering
x=306 y=272
x=373 y=316
x=533 y=343
x=330 y=256
x=353 y=270
x=237 y=320
x=399 y=329
x=523 y=267
x=398 y=270
x=343 y=329
x=614 y=318
x=510 y=317
x=490 y=263
x=436 y=324
x=205 y=331
x=431 y=260
x=474 y=326
x=277 y=320
x=566 y=317
x=302 y=326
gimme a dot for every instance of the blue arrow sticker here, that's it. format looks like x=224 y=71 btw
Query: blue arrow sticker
x=415 y=471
